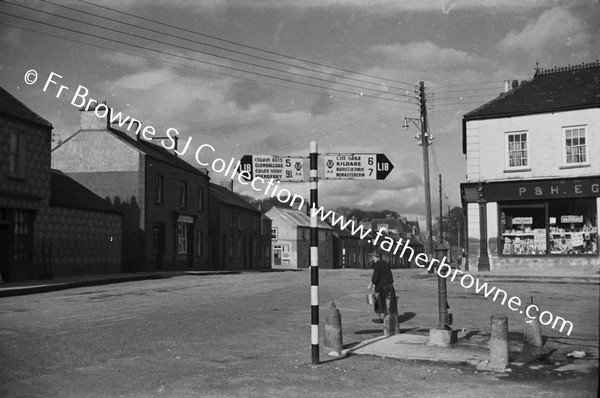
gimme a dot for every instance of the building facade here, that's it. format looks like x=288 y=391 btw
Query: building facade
x=25 y=140
x=164 y=200
x=290 y=240
x=532 y=193
x=236 y=231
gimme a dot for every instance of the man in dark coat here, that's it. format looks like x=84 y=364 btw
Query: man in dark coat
x=383 y=281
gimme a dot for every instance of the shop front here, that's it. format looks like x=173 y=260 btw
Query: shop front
x=535 y=224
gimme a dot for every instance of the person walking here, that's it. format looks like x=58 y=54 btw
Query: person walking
x=383 y=281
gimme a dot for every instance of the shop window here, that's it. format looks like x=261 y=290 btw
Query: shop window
x=573 y=226
x=575 y=145
x=182 y=238
x=517 y=153
x=199 y=243
x=554 y=227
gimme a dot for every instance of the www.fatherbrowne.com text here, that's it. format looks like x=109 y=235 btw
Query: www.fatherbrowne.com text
x=81 y=99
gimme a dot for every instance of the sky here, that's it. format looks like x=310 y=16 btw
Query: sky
x=254 y=77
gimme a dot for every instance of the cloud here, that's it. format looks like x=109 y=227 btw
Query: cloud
x=555 y=32
x=12 y=37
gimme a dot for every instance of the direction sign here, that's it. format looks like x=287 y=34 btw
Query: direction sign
x=356 y=166
x=281 y=168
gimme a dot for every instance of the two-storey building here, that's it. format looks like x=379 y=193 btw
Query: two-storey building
x=532 y=193
x=163 y=198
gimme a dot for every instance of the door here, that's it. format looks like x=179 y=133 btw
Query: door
x=277 y=256
x=158 y=245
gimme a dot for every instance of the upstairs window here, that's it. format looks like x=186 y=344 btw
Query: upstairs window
x=183 y=201
x=159 y=189
x=517 y=152
x=200 y=199
x=575 y=145
x=17 y=152
x=274 y=233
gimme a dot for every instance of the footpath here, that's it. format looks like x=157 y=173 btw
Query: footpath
x=471 y=348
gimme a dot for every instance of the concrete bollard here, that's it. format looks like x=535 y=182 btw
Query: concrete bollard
x=499 y=343
x=332 y=342
x=390 y=321
x=533 y=328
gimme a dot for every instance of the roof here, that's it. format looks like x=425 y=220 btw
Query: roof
x=66 y=192
x=230 y=198
x=12 y=107
x=298 y=218
x=156 y=151
x=559 y=89
x=393 y=224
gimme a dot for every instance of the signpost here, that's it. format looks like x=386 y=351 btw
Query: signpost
x=356 y=166
x=280 y=168
x=340 y=166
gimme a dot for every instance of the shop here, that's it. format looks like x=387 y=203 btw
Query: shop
x=553 y=221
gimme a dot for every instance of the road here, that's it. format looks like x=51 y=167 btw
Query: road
x=249 y=335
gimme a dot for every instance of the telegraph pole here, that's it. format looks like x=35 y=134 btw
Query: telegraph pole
x=425 y=145
x=441 y=214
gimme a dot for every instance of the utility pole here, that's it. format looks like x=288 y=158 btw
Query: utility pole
x=425 y=144
x=441 y=214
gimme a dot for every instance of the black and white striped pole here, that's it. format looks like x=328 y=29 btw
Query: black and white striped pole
x=314 y=254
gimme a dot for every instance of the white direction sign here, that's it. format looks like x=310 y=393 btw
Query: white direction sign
x=282 y=168
x=356 y=166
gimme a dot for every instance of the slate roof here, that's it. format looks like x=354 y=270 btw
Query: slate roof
x=230 y=198
x=155 y=151
x=298 y=218
x=10 y=106
x=66 y=192
x=554 y=90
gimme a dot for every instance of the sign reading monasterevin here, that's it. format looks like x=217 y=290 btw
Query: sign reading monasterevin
x=281 y=168
x=356 y=166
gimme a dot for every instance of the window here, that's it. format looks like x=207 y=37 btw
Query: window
x=183 y=201
x=517 y=154
x=159 y=189
x=200 y=199
x=199 y=244
x=553 y=227
x=182 y=238
x=274 y=233
x=575 y=145
x=17 y=152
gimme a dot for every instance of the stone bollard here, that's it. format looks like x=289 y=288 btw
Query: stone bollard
x=332 y=342
x=499 y=343
x=533 y=328
x=390 y=321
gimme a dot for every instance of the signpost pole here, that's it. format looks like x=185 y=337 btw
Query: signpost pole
x=314 y=254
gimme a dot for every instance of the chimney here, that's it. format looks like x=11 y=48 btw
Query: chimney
x=227 y=184
x=94 y=117
x=515 y=83
x=506 y=86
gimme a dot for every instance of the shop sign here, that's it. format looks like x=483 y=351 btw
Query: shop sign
x=550 y=189
x=185 y=219
x=523 y=220
x=571 y=219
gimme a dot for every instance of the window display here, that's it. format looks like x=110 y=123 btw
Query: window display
x=556 y=227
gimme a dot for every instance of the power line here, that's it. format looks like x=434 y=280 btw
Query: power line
x=204 y=62
x=411 y=85
x=220 y=47
x=205 y=53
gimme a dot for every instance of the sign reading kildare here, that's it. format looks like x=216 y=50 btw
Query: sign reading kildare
x=281 y=168
x=356 y=166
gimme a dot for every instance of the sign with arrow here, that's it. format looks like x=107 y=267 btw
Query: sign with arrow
x=280 y=168
x=356 y=166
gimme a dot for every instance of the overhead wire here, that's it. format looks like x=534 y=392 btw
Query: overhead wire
x=214 y=55
x=203 y=61
x=411 y=85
